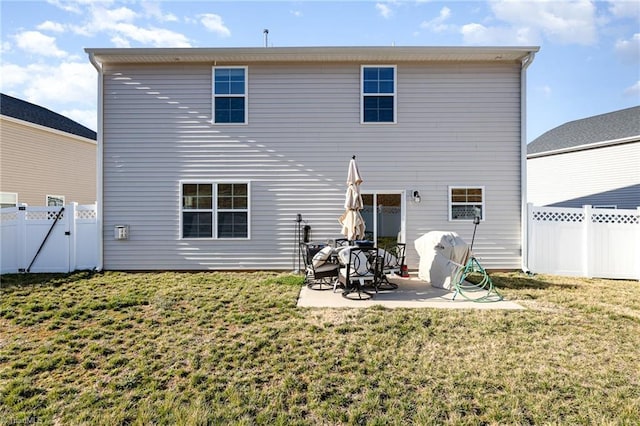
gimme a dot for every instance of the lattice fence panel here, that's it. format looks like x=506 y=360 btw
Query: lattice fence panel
x=86 y=214
x=8 y=216
x=43 y=215
x=557 y=216
x=622 y=218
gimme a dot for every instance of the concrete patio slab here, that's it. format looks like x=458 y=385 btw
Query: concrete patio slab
x=411 y=293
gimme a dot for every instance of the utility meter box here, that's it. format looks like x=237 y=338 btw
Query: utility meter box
x=121 y=232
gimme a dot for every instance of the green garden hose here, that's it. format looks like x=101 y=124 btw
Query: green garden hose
x=474 y=271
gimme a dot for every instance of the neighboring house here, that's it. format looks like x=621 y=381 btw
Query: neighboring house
x=209 y=154
x=45 y=158
x=593 y=161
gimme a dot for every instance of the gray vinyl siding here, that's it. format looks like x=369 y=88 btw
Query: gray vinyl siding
x=608 y=175
x=458 y=124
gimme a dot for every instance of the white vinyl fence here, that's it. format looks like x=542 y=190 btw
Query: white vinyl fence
x=48 y=239
x=586 y=242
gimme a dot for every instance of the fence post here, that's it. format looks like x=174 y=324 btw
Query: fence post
x=70 y=231
x=586 y=241
x=21 y=237
x=637 y=242
x=531 y=235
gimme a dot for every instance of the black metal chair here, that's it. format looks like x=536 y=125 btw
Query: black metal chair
x=341 y=242
x=394 y=258
x=321 y=272
x=361 y=268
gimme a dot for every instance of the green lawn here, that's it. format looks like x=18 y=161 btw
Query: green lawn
x=233 y=348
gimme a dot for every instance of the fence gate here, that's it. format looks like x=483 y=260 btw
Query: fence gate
x=586 y=242
x=32 y=240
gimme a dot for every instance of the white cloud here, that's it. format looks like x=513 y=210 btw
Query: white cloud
x=214 y=23
x=296 y=13
x=107 y=19
x=86 y=117
x=152 y=9
x=564 y=22
x=478 y=34
x=120 y=25
x=54 y=86
x=528 y=22
x=629 y=50
x=68 y=6
x=625 y=8
x=121 y=42
x=633 y=90
x=12 y=75
x=438 y=24
x=39 y=44
x=156 y=37
x=5 y=47
x=384 y=10
x=55 y=27
x=71 y=82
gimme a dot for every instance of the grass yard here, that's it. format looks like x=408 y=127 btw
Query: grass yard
x=233 y=348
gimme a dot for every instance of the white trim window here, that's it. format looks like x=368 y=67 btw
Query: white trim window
x=8 y=199
x=378 y=94
x=466 y=202
x=214 y=210
x=55 y=200
x=230 y=95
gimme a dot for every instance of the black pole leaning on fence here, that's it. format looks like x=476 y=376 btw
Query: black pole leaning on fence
x=46 y=238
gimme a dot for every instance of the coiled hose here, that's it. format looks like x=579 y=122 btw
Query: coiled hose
x=483 y=289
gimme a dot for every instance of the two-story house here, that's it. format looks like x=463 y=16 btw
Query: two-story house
x=207 y=155
x=46 y=159
x=592 y=161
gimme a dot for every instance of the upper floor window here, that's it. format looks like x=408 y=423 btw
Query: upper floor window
x=230 y=95
x=215 y=210
x=378 y=85
x=465 y=203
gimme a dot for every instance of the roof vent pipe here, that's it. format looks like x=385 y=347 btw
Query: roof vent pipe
x=266 y=37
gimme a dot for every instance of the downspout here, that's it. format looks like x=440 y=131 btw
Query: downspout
x=99 y=161
x=524 y=219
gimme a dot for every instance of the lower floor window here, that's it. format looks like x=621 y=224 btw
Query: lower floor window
x=215 y=210
x=55 y=200
x=466 y=203
x=8 y=199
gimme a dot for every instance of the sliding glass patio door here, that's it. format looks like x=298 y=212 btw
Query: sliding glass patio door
x=383 y=216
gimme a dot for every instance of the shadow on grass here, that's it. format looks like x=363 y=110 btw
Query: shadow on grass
x=19 y=281
x=527 y=282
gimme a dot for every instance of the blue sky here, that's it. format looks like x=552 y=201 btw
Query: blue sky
x=588 y=64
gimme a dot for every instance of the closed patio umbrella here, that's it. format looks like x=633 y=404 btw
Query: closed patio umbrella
x=351 y=220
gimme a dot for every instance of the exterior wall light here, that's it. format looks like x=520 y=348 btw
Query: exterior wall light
x=416 y=197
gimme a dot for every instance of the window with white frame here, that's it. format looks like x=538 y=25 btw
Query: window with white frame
x=466 y=202
x=8 y=199
x=378 y=87
x=229 y=95
x=215 y=210
x=55 y=200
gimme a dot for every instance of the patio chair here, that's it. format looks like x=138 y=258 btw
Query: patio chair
x=394 y=258
x=321 y=271
x=361 y=268
x=341 y=242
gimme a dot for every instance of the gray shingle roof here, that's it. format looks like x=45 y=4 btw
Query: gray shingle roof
x=614 y=125
x=22 y=110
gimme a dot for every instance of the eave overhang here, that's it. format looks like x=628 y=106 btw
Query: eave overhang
x=249 y=55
